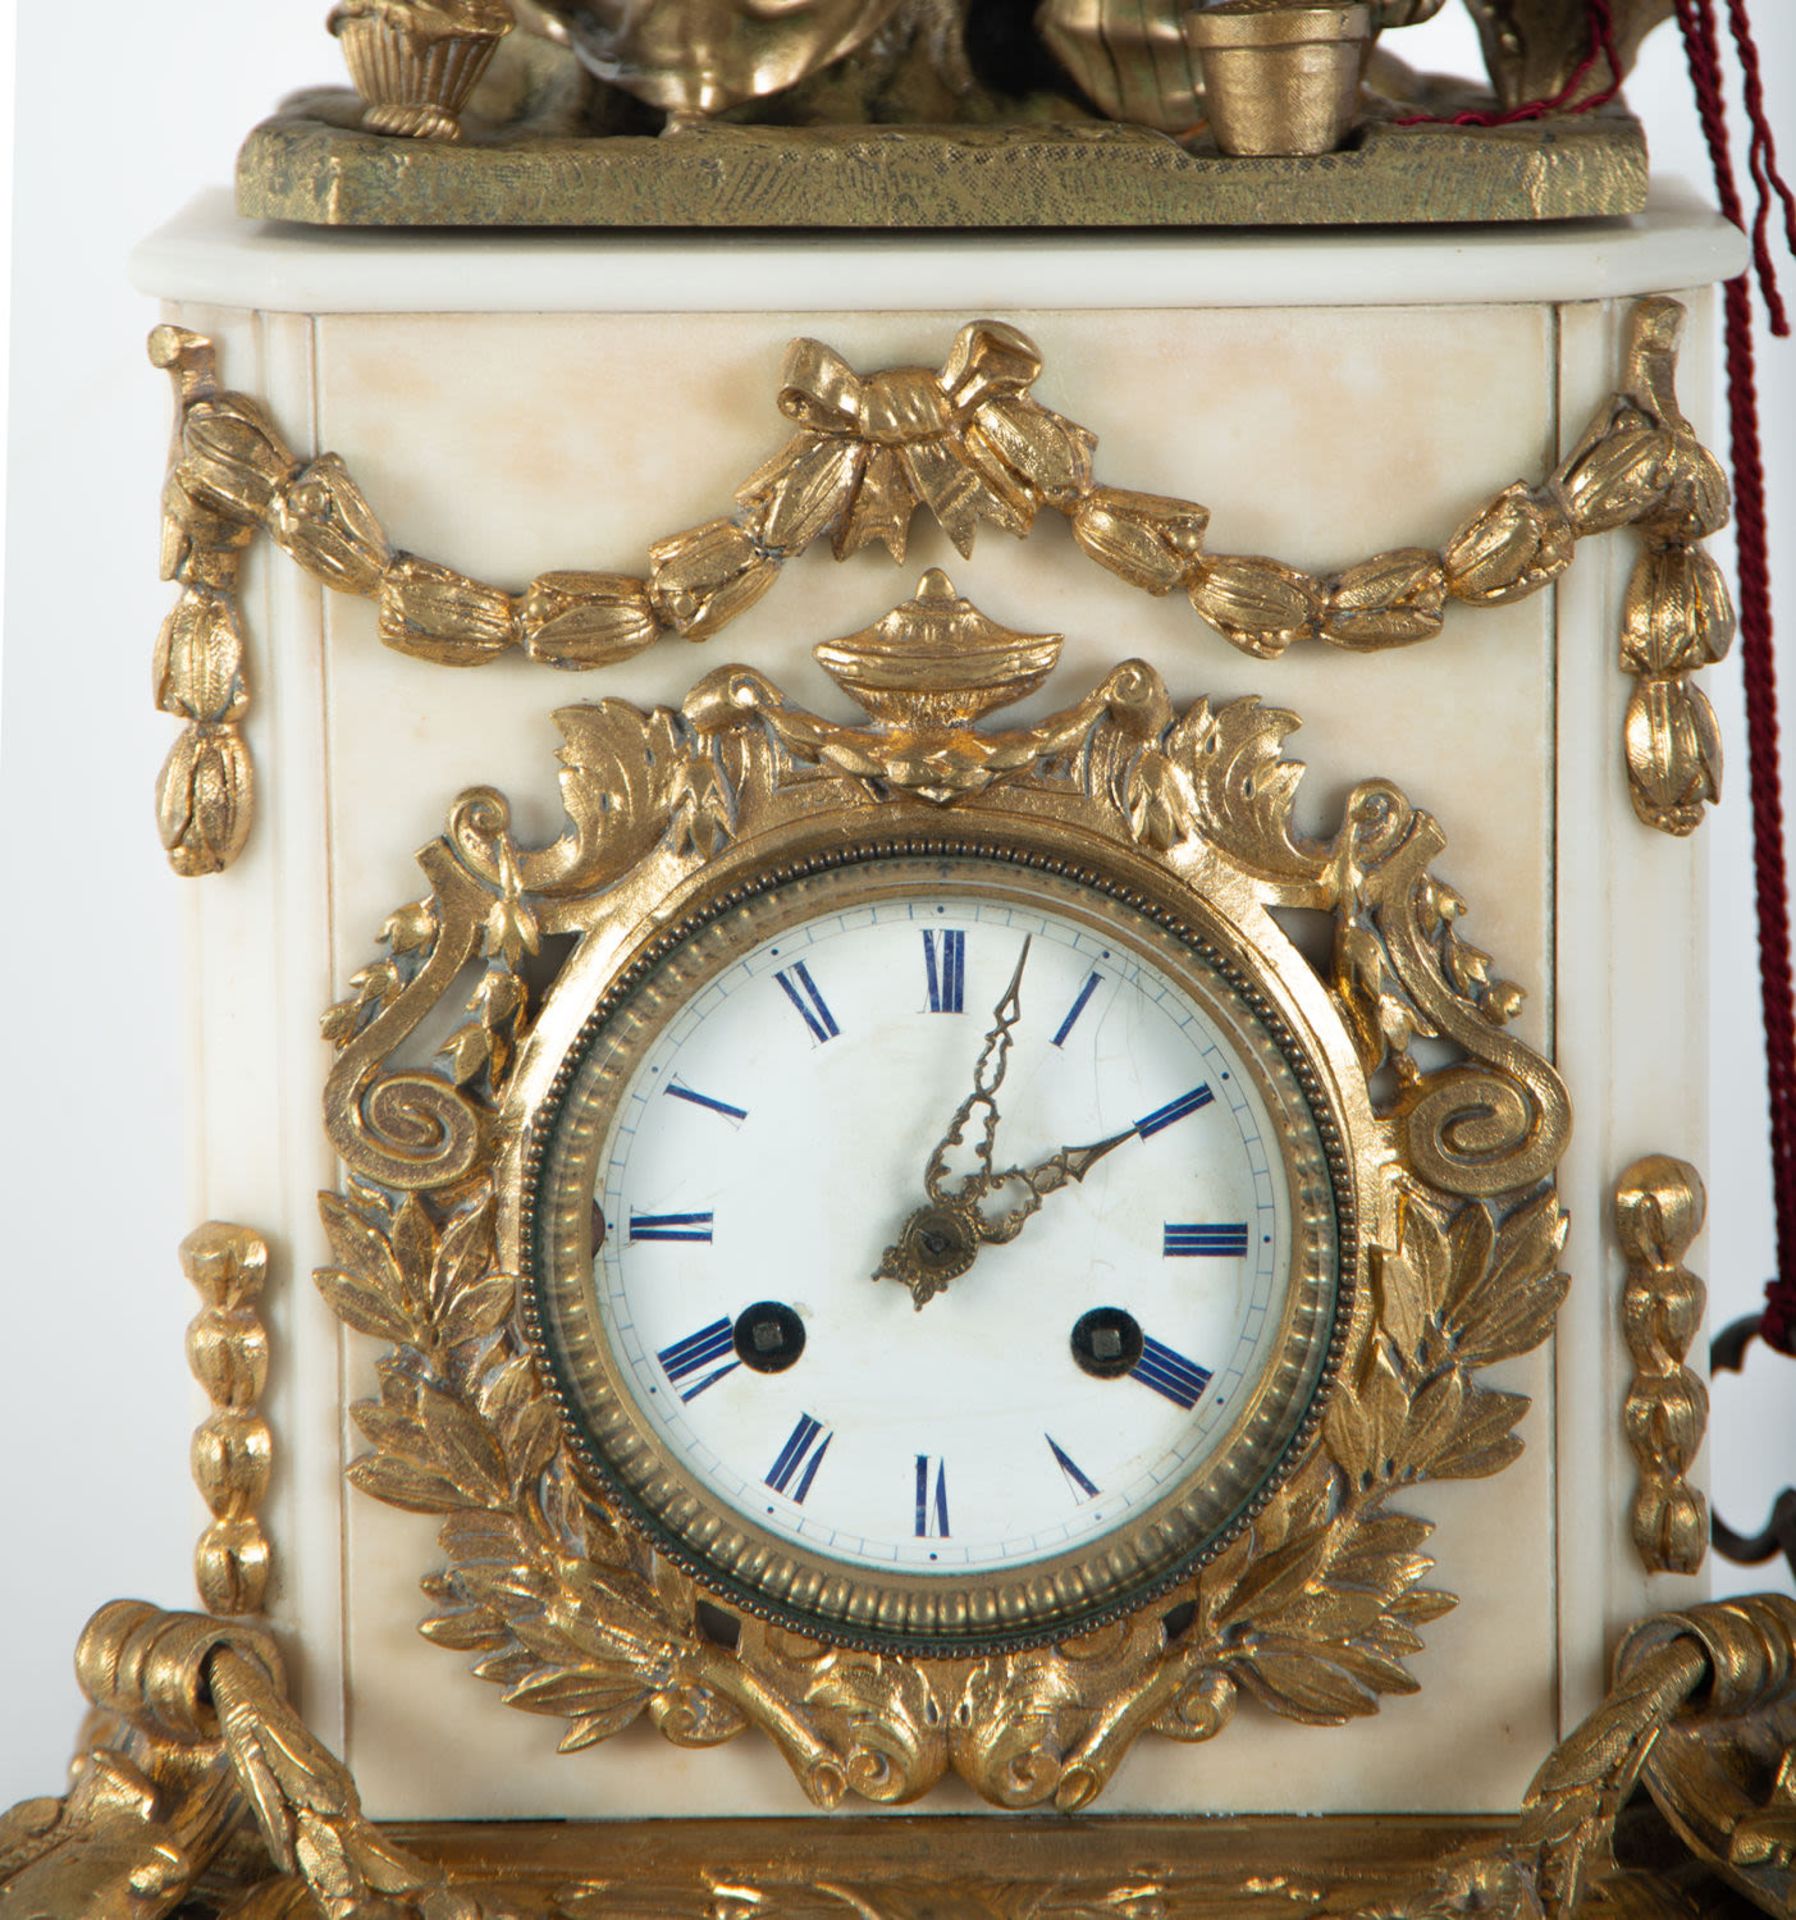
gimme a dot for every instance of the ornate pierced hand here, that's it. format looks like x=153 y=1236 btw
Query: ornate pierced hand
x=941 y=1238
x=1045 y=1177
x=988 y=1076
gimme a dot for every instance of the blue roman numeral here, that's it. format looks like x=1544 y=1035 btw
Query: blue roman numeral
x=670 y=1226
x=1163 y=1117
x=1078 y=1007
x=1191 y=1239
x=801 y=990
x=1081 y=1488
x=696 y=1352
x=932 y=1510
x=1181 y=1380
x=947 y=974
x=800 y=1458
x=678 y=1090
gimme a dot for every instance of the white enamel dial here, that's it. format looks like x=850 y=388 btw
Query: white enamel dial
x=773 y=1143
x=765 y=1132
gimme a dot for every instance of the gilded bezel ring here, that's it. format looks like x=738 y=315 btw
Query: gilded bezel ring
x=937 y=1617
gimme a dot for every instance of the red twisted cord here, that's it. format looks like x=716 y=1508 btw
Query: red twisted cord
x=1761 y=157
x=1601 y=48
x=1702 y=45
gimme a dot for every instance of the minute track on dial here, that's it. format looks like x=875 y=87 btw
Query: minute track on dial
x=1164 y=1051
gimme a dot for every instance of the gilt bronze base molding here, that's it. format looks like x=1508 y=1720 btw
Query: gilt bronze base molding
x=201 y=1795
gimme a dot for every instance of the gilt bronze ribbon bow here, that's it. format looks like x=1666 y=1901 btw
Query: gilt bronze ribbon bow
x=967 y=442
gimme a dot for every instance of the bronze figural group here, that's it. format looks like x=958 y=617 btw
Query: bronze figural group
x=921 y=60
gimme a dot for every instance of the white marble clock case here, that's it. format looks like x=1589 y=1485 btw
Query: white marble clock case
x=513 y=404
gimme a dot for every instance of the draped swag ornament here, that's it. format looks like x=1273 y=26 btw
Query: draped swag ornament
x=970 y=444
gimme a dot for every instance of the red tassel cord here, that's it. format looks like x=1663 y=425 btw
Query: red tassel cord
x=1702 y=44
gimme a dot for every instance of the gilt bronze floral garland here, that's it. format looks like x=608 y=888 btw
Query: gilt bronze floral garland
x=970 y=444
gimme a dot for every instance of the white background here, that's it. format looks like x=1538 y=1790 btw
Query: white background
x=124 y=110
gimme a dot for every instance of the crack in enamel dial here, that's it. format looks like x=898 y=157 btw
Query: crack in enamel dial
x=1121 y=1251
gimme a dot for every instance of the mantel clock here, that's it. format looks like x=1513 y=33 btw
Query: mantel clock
x=915 y=1218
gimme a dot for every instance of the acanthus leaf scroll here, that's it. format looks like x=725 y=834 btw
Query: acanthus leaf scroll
x=1313 y=1605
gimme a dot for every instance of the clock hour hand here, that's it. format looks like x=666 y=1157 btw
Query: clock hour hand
x=939 y=1243
x=988 y=1076
x=1047 y=1176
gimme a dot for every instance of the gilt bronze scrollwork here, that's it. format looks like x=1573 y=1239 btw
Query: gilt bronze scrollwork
x=196 y=1773
x=568 y=1608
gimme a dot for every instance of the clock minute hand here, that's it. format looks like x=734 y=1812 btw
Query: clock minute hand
x=988 y=1076
x=941 y=1237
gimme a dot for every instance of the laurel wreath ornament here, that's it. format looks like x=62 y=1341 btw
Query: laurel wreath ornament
x=1312 y=1608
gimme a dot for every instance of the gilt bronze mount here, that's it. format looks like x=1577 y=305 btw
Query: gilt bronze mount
x=314 y=163
x=970 y=444
x=200 y=1794
x=1311 y=1602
